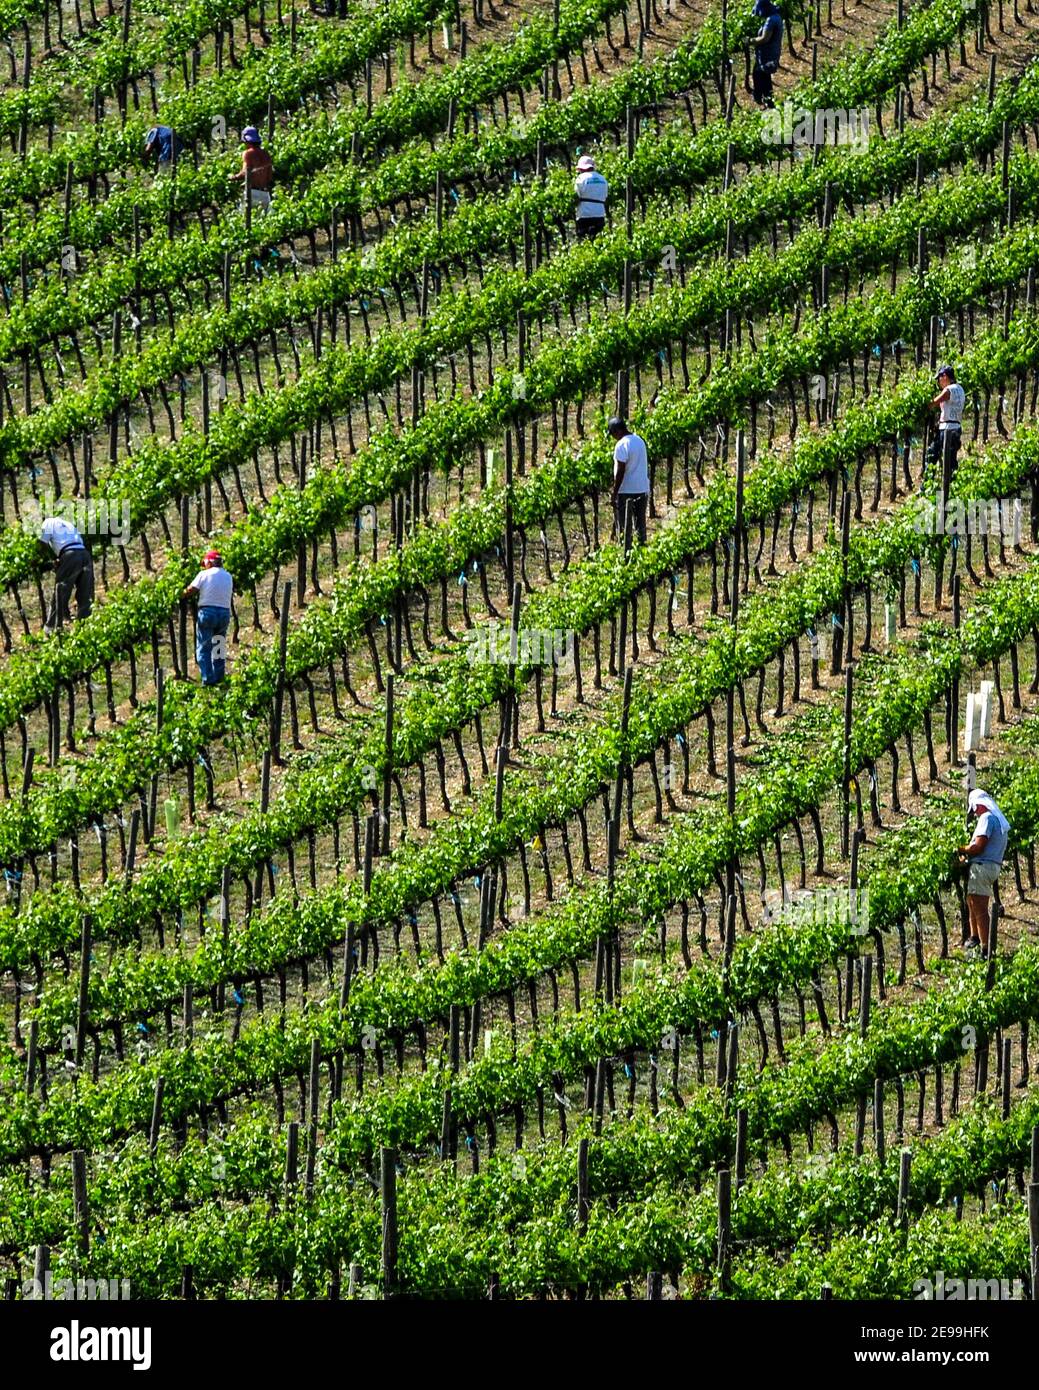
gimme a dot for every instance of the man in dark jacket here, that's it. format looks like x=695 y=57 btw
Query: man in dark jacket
x=768 y=47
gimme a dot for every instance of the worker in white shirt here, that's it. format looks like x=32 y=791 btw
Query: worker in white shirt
x=214 y=589
x=630 y=477
x=949 y=402
x=73 y=569
x=591 y=191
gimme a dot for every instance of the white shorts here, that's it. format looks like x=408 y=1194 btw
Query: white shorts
x=981 y=878
x=260 y=198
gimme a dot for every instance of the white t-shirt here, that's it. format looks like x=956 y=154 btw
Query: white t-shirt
x=631 y=451
x=60 y=535
x=951 y=411
x=593 y=190
x=214 y=586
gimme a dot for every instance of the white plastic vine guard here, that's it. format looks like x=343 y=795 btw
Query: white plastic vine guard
x=987 y=688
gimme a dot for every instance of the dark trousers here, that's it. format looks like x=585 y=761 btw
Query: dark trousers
x=761 y=81
x=211 y=642
x=589 y=227
x=637 y=502
x=73 y=570
x=945 y=444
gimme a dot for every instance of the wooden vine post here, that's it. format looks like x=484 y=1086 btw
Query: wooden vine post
x=723 y=1258
x=185 y=541
x=279 y=692
x=993 y=945
x=79 y=1199
x=730 y=694
x=905 y=1168
x=842 y=620
x=1033 y=1216
x=388 y=1190
x=846 y=776
x=86 y=946
x=582 y=1185
x=313 y=1097
x=387 y=771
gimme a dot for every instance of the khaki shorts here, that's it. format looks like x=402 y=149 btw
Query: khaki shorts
x=981 y=879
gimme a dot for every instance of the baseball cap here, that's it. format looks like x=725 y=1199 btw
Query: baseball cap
x=585 y=163
x=944 y=371
x=616 y=423
x=251 y=136
x=213 y=555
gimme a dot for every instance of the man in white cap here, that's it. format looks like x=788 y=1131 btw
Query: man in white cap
x=591 y=191
x=984 y=854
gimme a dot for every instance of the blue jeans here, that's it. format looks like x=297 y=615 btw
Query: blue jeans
x=211 y=623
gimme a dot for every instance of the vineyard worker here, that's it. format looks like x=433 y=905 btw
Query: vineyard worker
x=984 y=854
x=590 y=193
x=214 y=588
x=949 y=401
x=163 y=144
x=768 y=48
x=630 y=478
x=73 y=569
x=257 y=163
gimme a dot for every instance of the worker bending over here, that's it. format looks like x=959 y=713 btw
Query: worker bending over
x=73 y=569
x=164 y=146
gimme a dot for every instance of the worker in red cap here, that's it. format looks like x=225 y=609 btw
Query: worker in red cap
x=590 y=193
x=258 y=166
x=213 y=587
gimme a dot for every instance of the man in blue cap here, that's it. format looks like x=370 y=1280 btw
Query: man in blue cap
x=164 y=145
x=258 y=165
x=768 y=47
